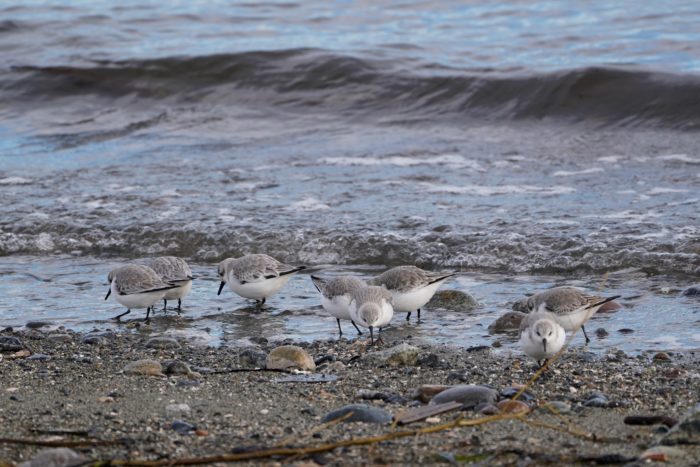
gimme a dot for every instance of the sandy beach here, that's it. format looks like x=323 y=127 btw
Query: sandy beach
x=85 y=391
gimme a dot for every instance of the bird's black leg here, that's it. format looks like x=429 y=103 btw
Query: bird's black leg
x=165 y=305
x=148 y=313
x=179 y=304
x=584 y=334
x=119 y=316
x=408 y=316
x=379 y=337
x=263 y=301
x=340 y=330
x=371 y=336
x=418 y=314
x=359 y=333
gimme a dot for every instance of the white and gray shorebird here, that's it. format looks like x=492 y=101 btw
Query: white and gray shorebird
x=571 y=307
x=136 y=286
x=336 y=296
x=255 y=276
x=176 y=271
x=541 y=336
x=371 y=307
x=410 y=286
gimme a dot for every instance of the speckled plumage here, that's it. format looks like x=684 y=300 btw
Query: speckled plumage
x=336 y=286
x=135 y=278
x=558 y=300
x=256 y=267
x=171 y=268
x=407 y=278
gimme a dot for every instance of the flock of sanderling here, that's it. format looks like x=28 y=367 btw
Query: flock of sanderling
x=371 y=303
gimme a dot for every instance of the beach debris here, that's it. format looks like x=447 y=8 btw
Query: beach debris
x=360 y=413
x=426 y=411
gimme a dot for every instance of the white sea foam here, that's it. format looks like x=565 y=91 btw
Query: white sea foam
x=451 y=160
x=308 y=204
x=15 y=181
x=567 y=173
x=498 y=190
x=680 y=158
x=664 y=190
x=610 y=159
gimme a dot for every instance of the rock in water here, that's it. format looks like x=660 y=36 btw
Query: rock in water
x=469 y=395
x=55 y=457
x=290 y=356
x=692 y=291
x=687 y=431
x=144 y=367
x=452 y=300
x=360 y=413
x=400 y=355
x=509 y=322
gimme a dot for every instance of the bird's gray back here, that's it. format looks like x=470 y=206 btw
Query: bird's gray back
x=256 y=267
x=341 y=285
x=559 y=300
x=136 y=278
x=170 y=268
x=371 y=293
x=403 y=278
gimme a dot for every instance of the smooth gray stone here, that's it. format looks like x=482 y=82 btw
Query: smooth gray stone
x=162 y=343
x=469 y=395
x=55 y=457
x=10 y=344
x=360 y=413
x=508 y=322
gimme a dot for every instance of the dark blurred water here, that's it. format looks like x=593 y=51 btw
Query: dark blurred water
x=541 y=142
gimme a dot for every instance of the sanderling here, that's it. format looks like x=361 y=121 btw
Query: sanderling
x=571 y=307
x=136 y=286
x=176 y=271
x=371 y=308
x=336 y=295
x=541 y=336
x=255 y=276
x=411 y=287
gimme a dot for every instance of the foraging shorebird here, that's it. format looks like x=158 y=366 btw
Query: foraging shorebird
x=410 y=286
x=571 y=307
x=336 y=294
x=136 y=286
x=176 y=271
x=255 y=276
x=370 y=307
x=541 y=336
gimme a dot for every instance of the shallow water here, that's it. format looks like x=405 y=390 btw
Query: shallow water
x=67 y=291
x=526 y=145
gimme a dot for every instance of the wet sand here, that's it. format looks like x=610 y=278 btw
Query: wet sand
x=65 y=386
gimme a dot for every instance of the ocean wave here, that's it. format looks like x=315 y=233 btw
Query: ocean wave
x=390 y=90
x=503 y=252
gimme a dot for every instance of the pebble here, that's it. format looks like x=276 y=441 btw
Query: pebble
x=596 y=399
x=427 y=391
x=332 y=367
x=289 y=356
x=509 y=322
x=688 y=429
x=177 y=367
x=430 y=360
x=692 y=291
x=625 y=331
x=601 y=332
x=609 y=307
x=55 y=457
x=177 y=410
x=388 y=397
x=469 y=395
x=10 y=344
x=59 y=337
x=452 y=300
x=162 y=343
x=486 y=409
x=97 y=337
x=560 y=406
x=400 y=355
x=360 y=413
x=251 y=358
x=39 y=357
x=661 y=357
x=182 y=427
x=510 y=406
x=663 y=454
x=144 y=367
x=509 y=393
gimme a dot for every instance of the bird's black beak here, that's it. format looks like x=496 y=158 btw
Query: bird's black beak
x=221 y=287
x=108 y=292
x=544 y=344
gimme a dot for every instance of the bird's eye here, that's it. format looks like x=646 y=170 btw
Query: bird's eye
x=538 y=333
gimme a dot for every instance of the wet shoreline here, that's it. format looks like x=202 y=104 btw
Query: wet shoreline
x=91 y=392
